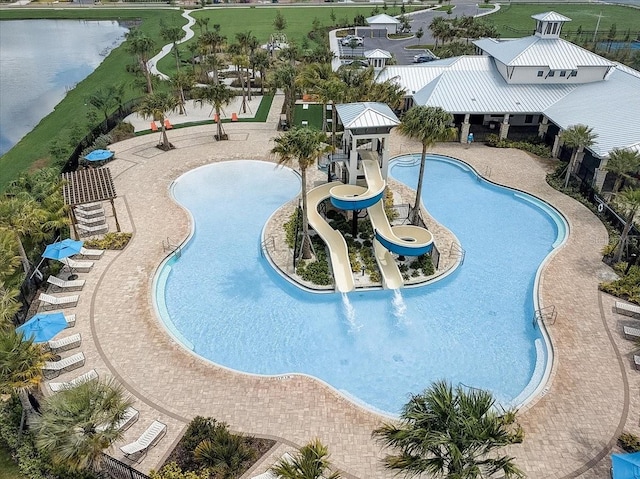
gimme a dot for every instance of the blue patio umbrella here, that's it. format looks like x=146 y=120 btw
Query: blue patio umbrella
x=99 y=155
x=43 y=326
x=62 y=249
x=625 y=466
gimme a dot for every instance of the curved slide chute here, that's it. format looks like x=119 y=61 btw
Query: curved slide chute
x=338 y=251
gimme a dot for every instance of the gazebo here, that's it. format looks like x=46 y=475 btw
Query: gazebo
x=90 y=185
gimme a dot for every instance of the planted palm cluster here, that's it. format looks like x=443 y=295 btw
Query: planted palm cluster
x=209 y=449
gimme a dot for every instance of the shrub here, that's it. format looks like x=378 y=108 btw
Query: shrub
x=292 y=226
x=110 y=241
x=629 y=442
x=532 y=145
x=123 y=131
x=627 y=287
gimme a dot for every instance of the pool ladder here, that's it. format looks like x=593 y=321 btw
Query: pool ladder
x=263 y=245
x=546 y=315
x=171 y=248
x=457 y=251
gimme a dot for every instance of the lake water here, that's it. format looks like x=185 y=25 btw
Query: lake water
x=40 y=60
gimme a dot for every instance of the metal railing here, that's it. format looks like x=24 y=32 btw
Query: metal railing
x=114 y=469
x=168 y=246
x=264 y=243
x=546 y=315
x=457 y=251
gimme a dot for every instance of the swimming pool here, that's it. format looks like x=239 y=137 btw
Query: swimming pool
x=224 y=301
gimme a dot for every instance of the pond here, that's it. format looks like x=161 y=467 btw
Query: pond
x=40 y=60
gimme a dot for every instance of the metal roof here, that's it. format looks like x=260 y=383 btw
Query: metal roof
x=550 y=17
x=87 y=186
x=472 y=84
x=611 y=108
x=366 y=115
x=383 y=18
x=554 y=53
x=377 y=53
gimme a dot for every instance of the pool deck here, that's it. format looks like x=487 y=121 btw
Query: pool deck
x=570 y=429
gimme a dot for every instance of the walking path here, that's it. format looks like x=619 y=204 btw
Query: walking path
x=188 y=35
x=570 y=428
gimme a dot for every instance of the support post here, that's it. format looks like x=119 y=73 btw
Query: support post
x=115 y=215
x=557 y=143
x=504 y=127
x=464 y=129
x=543 y=127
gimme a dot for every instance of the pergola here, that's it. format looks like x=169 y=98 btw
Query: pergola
x=90 y=185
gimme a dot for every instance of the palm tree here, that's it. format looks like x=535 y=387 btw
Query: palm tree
x=9 y=305
x=304 y=146
x=629 y=199
x=218 y=96
x=173 y=35
x=285 y=77
x=23 y=216
x=577 y=137
x=180 y=82
x=449 y=434
x=78 y=424
x=156 y=106
x=225 y=453
x=622 y=163
x=9 y=257
x=311 y=462
x=21 y=361
x=428 y=125
x=261 y=63
x=107 y=99
x=141 y=46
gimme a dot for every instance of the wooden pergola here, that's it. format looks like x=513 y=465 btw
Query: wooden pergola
x=90 y=185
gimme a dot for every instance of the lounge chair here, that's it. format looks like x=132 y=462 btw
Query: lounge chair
x=234 y=117
x=148 y=439
x=216 y=117
x=130 y=416
x=91 y=253
x=53 y=302
x=62 y=285
x=53 y=369
x=92 y=230
x=78 y=266
x=631 y=333
x=89 y=213
x=628 y=309
x=96 y=220
x=154 y=126
x=636 y=361
x=167 y=124
x=71 y=320
x=86 y=377
x=64 y=344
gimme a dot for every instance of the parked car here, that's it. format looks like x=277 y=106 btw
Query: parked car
x=347 y=40
x=424 y=58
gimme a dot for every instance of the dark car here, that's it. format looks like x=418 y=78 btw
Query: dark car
x=424 y=58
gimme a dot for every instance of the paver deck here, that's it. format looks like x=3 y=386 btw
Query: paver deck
x=570 y=428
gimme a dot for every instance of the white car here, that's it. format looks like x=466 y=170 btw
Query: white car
x=347 y=40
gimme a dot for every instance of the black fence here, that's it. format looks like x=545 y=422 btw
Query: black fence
x=114 y=469
x=103 y=128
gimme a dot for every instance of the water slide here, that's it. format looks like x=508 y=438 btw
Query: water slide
x=404 y=239
x=338 y=251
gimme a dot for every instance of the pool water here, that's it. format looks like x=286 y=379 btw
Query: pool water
x=223 y=300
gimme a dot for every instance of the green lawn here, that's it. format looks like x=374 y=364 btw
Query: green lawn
x=313 y=116
x=518 y=17
x=8 y=468
x=33 y=150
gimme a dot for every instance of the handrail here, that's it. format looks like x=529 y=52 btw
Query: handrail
x=547 y=315
x=457 y=251
x=263 y=244
x=172 y=248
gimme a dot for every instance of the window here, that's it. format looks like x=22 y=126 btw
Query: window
x=574 y=73
x=551 y=73
x=563 y=73
x=540 y=73
x=555 y=28
x=548 y=29
x=528 y=119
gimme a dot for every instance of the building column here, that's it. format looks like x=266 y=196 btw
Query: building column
x=353 y=162
x=464 y=129
x=557 y=143
x=504 y=127
x=385 y=158
x=543 y=127
x=600 y=175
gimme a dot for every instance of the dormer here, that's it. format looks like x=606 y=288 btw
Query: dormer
x=549 y=24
